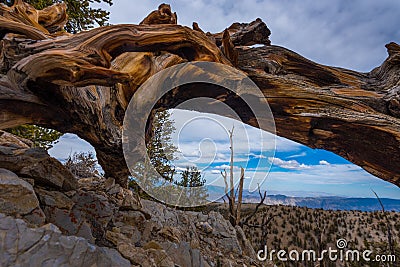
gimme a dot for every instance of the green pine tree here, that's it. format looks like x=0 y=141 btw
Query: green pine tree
x=81 y=15
x=160 y=148
x=41 y=137
x=190 y=178
x=161 y=152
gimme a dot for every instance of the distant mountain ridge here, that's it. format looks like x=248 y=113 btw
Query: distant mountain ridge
x=318 y=200
x=330 y=202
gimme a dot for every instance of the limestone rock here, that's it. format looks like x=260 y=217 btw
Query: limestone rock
x=109 y=183
x=86 y=214
x=16 y=195
x=126 y=200
x=137 y=256
x=101 y=212
x=133 y=218
x=35 y=163
x=46 y=246
x=70 y=222
x=91 y=184
x=55 y=199
x=160 y=258
x=205 y=227
x=117 y=238
x=183 y=255
x=245 y=243
x=152 y=245
x=94 y=206
x=36 y=217
x=171 y=233
x=201 y=236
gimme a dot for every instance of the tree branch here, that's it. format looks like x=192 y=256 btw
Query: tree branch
x=82 y=84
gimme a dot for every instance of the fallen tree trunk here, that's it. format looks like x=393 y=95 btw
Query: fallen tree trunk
x=83 y=83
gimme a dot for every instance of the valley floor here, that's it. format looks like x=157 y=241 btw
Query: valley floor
x=297 y=228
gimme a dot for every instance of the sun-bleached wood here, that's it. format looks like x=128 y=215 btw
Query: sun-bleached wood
x=82 y=84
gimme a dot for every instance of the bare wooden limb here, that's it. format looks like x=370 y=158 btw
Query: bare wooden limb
x=240 y=197
x=49 y=20
x=30 y=32
x=232 y=197
x=53 y=18
x=246 y=34
x=229 y=49
x=235 y=204
x=246 y=220
x=225 y=176
x=388 y=225
x=83 y=83
x=196 y=27
x=231 y=165
x=339 y=110
x=163 y=15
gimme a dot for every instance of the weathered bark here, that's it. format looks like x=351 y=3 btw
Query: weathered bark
x=163 y=15
x=354 y=115
x=83 y=83
x=47 y=21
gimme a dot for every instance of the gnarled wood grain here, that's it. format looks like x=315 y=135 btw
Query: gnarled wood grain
x=83 y=83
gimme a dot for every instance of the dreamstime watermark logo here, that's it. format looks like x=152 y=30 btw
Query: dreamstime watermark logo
x=340 y=253
x=197 y=86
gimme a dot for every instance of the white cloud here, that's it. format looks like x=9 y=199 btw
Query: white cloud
x=204 y=138
x=257 y=156
x=342 y=33
x=324 y=162
x=290 y=164
x=317 y=175
x=68 y=145
x=226 y=167
x=302 y=154
x=222 y=167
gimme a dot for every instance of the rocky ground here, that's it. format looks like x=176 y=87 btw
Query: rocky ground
x=50 y=218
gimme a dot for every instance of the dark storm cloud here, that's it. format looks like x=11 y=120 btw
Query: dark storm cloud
x=343 y=33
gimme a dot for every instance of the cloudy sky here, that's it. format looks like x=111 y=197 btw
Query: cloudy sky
x=349 y=34
x=279 y=165
x=342 y=33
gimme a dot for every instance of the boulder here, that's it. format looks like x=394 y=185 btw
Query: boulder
x=16 y=195
x=85 y=214
x=173 y=234
x=54 y=199
x=70 y=222
x=102 y=213
x=36 y=217
x=205 y=227
x=183 y=255
x=189 y=238
x=46 y=246
x=35 y=163
x=94 y=206
x=137 y=256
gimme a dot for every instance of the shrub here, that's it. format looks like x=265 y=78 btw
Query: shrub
x=82 y=165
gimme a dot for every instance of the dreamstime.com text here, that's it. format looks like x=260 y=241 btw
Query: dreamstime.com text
x=338 y=254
